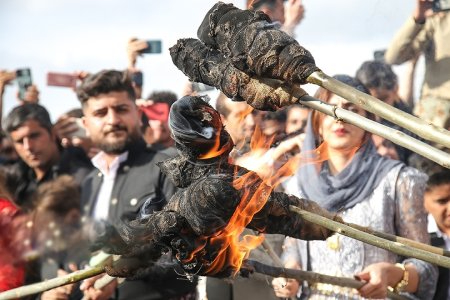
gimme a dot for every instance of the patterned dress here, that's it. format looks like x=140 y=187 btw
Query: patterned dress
x=395 y=207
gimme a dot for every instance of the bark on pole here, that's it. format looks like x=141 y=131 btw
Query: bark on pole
x=311 y=277
x=396 y=247
x=256 y=267
x=51 y=284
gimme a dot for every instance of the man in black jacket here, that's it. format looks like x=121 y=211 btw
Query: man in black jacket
x=125 y=179
x=41 y=156
x=42 y=159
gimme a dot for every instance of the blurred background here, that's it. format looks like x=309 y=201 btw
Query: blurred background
x=90 y=35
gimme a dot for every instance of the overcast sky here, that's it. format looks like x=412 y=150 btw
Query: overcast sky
x=90 y=35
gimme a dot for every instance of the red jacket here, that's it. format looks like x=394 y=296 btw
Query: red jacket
x=12 y=271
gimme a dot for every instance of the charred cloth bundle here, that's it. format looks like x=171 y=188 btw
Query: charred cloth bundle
x=239 y=47
x=213 y=193
x=245 y=56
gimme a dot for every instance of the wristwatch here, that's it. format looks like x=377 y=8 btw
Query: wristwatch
x=402 y=284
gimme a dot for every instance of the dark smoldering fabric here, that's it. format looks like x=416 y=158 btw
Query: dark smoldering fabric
x=210 y=66
x=211 y=191
x=255 y=45
x=196 y=127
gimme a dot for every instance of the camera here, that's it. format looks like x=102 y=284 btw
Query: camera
x=441 y=5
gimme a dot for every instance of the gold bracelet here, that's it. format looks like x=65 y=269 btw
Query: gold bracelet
x=402 y=284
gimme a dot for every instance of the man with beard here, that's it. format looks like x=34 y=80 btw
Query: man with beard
x=126 y=177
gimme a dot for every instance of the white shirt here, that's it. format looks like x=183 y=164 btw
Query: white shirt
x=101 y=208
x=432 y=227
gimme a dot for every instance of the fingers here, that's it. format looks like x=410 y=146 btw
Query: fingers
x=134 y=46
x=31 y=95
x=375 y=286
x=6 y=77
x=284 y=287
x=92 y=293
x=88 y=283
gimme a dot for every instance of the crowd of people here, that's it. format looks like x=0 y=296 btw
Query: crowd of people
x=98 y=164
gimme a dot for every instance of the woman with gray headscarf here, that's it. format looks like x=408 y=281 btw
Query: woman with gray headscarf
x=349 y=177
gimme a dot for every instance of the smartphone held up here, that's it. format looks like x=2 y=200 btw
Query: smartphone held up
x=153 y=47
x=23 y=78
x=441 y=5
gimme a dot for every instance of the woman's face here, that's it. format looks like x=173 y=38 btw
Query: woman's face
x=339 y=135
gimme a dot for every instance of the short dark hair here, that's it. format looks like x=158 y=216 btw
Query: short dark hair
x=258 y=4
x=377 y=74
x=104 y=82
x=75 y=113
x=23 y=113
x=163 y=97
x=438 y=179
x=279 y=116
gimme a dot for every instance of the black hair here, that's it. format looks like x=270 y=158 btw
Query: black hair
x=104 y=82
x=75 y=113
x=144 y=121
x=258 y=4
x=23 y=113
x=353 y=82
x=163 y=97
x=438 y=179
x=279 y=116
x=377 y=74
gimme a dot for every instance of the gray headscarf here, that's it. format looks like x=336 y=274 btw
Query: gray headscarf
x=352 y=185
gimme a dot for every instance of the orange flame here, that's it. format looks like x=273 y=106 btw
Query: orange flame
x=215 y=151
x=233 y=249
x=255 y=190
x=245 y=113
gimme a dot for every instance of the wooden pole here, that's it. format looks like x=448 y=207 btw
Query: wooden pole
x=43 y=286
x=396 y=247
x=311 y=277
